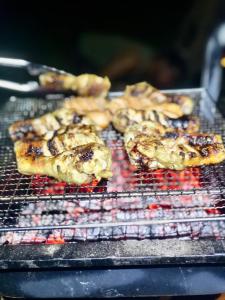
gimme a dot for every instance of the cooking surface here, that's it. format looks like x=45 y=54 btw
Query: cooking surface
x=133 y=204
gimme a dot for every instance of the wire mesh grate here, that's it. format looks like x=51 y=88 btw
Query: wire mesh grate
x=132 y=204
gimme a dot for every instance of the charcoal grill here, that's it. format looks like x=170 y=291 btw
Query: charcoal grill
x=83 y=238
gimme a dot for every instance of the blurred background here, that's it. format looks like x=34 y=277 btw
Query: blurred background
x=162 y=42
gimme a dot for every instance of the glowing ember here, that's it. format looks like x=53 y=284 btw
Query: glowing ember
x=172 y=180
x=53 y=240
x=48 y=186
x=57 y=211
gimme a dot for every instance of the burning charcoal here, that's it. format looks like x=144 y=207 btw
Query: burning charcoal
x=157 y=230
x=68 y=234
x=132 y=231
x=118 y=232
x=196 y=228
x=6 y=238
x=80 y=234
x=94 y=217
x=92 y=204
x=222 y=224
x=140 y=214
x=106 y=233
x=93 y=233
x=215 y=229
x=206 y=230
x=143 y=232
x=109 y=204
x=129 y=203
x=131 y=216
x=222 y=228
x=170 y=229
x=121 y=216
x=183 y=229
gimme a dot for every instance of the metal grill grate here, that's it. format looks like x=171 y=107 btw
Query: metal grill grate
x=133 y=204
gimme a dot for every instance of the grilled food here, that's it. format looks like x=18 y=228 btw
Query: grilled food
x=147 y=128
x=172 y=109
x=145 y=92
x=85 y=104
x=80 y=165
x=172 y=150
x=46 y=125
x=84 y=85
x=142 y=96
x=66 y=138
x=127 y=116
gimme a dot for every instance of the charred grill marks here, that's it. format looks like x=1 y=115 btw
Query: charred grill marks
x=138 y=91
x=171 y=135
x=180 y=123
x=204 y=151
x=200 y=140
x=76 y=119
x=175 y=99
x=59 y=120
x=86 y=155
x=156 y=116
x=52 y=147
x=23 y=131
x=32 y=150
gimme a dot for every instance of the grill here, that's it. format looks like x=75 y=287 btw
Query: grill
x=137 y=217
x=133 y=204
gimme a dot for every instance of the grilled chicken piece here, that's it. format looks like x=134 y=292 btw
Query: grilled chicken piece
x=172 y=150
x=141 y=90
x=144 y=91
x=80 y=165
x=93 y=108
x=84 y=85
x=147 y=128
x=142 y=96
x=46 y=125
x=66 y=138
x=85 y=104
x=172 y=109
x=127 y=116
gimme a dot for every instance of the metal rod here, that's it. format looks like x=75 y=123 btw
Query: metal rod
x=107 y=224
x=13 y=62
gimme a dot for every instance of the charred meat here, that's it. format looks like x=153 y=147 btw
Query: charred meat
x=143 y=90
x=170 y=150
x=66 y=138
x=80 y=165
x=126 y=117
x=46 y=125
x=83 y=85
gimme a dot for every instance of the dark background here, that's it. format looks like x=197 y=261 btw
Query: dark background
x=172 y=33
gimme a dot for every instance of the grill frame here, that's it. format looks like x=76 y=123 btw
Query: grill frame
x=128 y=253
x=30 y=270
x=207 y=107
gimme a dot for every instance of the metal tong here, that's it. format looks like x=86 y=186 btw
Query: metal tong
x=33 y=70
